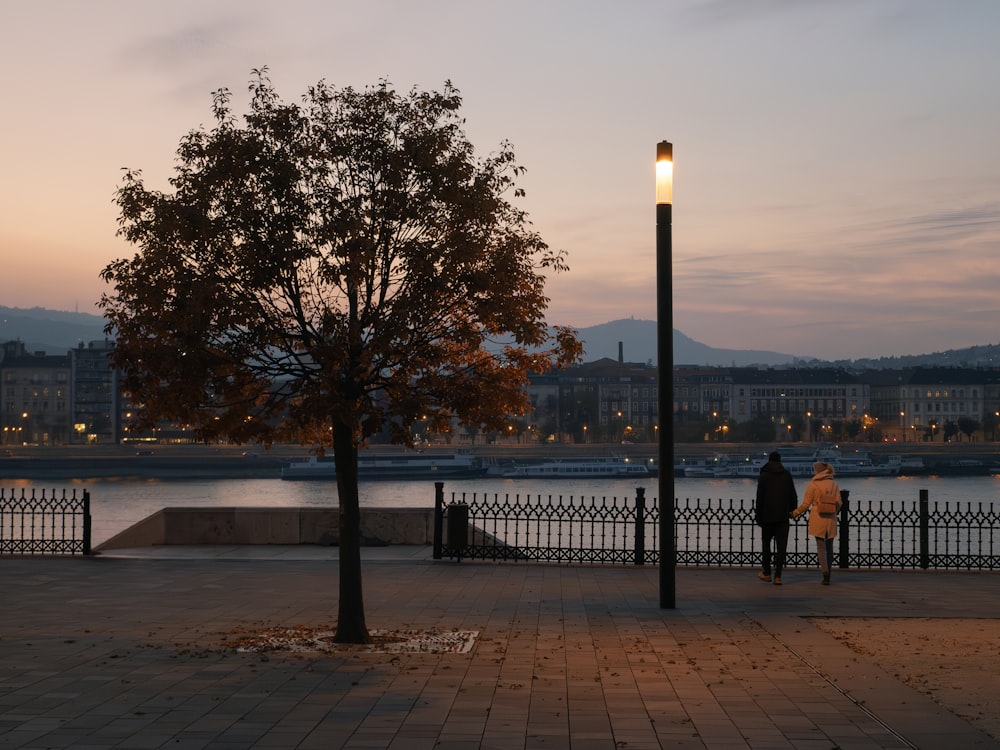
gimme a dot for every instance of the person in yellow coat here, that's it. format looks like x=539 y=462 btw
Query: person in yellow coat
x=822 y=501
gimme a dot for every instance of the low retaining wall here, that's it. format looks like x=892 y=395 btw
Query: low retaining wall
x=379 y=527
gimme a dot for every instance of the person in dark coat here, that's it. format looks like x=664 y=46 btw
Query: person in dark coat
x=776 y=499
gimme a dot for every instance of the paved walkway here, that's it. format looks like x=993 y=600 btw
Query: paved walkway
x=126 y=651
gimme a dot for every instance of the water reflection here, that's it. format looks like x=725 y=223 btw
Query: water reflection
x=117 y=504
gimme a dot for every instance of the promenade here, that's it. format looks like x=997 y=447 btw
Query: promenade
x=129 y=650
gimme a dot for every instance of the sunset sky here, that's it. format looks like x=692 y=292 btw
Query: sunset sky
x=837 y=165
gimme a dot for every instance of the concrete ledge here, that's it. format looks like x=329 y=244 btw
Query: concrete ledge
x=188 y=526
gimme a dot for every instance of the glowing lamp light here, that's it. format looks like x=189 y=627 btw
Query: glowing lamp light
x=664 y=173
x=665 y=367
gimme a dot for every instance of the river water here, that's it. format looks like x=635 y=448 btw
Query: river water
x=118 y=504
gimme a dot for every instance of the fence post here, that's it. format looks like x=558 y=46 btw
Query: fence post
x=86 y=522
x=640 y=525
x=845 y=529
x=438 y=518
x=925 y=540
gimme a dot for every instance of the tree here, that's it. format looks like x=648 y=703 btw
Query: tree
x=969 y=426
x=950 y=430
x=930 y=430
x=757 y=430
x=340 y=267
x=799 y=425
x=851 y=429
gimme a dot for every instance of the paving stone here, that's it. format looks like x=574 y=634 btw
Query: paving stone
x=129 y=651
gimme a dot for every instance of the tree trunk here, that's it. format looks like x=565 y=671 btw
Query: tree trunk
x=351 y=626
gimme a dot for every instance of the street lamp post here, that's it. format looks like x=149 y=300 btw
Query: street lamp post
x=665 y=365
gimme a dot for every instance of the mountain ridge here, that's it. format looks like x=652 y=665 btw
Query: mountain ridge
x=49 y=331
x=56 y=332
x=638 y=344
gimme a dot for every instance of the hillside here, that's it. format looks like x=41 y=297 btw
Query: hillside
x=638 y=338
x=49 y=331
x=55 y=332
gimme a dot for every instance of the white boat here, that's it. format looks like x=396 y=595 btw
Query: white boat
x=909 y=465
x=751 y=465
x=578 y=468
x=861 y=464
x=716 y=465
x=799 y=462
x=698 y=471
x=390 y=466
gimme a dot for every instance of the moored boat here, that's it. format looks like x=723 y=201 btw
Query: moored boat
x=911 y=465
x=390 y=466
x=961 y=467
x=800 y=461
x=615 y=467
x=717 y=465
x=861 y=464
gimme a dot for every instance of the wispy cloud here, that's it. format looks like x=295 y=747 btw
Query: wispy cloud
x=716 y=12
x=190 y=45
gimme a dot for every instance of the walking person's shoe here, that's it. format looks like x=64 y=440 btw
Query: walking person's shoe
x=826 y=579
x=764 y=577
x=777 y=580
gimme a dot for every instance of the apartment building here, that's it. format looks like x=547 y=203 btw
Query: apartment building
x=601 y=401
x=35 y=394
x=96 y=397
x=917 y=403
x=815 y=396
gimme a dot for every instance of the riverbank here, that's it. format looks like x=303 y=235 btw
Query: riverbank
x=167 y=462
x=248 y=462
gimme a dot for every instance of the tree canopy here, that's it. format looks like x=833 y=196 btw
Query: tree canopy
x=342 y=266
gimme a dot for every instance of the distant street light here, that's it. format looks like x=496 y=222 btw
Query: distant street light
x=665 y=365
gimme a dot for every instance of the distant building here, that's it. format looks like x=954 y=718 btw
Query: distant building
x=35 y=394
x=814 y=399
x=97 y=401
x=76 y=398
x=703 y=393
x=544 y=418
x=602 y=401
x=916 y=403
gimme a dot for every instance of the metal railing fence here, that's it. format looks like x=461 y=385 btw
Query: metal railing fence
x=709 y=532
x=608 y=530
x=39 y=522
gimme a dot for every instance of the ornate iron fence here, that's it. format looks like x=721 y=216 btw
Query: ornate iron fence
x=709 y=532
x=46 y=523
